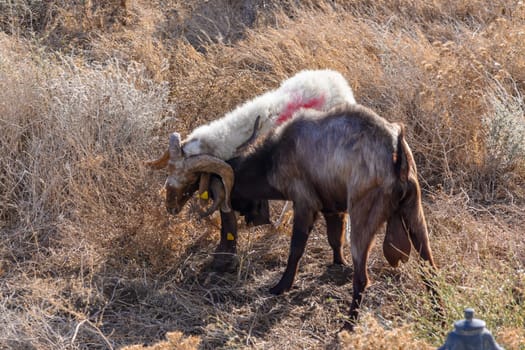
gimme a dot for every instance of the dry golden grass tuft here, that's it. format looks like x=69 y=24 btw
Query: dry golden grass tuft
x=89 y=90
x=175 y=341
x=512 y=338
x=371 y=335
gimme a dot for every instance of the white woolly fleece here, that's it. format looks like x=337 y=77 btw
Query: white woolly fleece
x=318 y=89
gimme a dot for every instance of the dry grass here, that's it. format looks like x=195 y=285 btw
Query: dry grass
x=89 y=90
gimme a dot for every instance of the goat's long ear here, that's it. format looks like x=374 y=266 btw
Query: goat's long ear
x=204 y=163
x=411 y=209
x=204 y=186
x=414 y=220
x=219 y=195
x=396 y=246
x=159 y=163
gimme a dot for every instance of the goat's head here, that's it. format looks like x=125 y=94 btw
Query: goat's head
x=184 y=174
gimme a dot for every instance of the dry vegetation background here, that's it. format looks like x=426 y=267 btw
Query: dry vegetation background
x=90 y=89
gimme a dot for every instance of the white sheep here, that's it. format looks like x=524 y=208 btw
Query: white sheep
x=315 y=89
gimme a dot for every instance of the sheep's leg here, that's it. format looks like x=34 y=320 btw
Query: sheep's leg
x=302 y=225
x=225 y=255
x=336 y=235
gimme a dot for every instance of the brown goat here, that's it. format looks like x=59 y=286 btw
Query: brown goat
x=346 y=160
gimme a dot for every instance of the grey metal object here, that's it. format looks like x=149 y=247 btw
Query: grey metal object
x=470 y=334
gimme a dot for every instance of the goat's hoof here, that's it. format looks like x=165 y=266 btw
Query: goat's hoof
x=348 y=326
x=225 y=262
x=341 y=262
x=278 y=290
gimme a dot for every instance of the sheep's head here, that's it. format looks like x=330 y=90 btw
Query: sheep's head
x=184 y=174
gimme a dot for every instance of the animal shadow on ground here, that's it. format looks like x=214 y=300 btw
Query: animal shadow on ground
x=193 y=298
x=189 y=297
x=336 y=274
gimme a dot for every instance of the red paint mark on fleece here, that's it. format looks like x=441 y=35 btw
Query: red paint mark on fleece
x=293 y=106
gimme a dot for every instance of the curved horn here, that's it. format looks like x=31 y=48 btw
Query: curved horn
x=205 y=163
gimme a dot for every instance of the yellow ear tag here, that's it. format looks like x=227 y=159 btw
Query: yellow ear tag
x=230 y=236
x=204 y=195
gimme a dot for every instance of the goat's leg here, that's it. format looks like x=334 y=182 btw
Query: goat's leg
x=360 y=247
x=335 y=223
x=366 y=217
x=225 y=255
x=302 y=225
